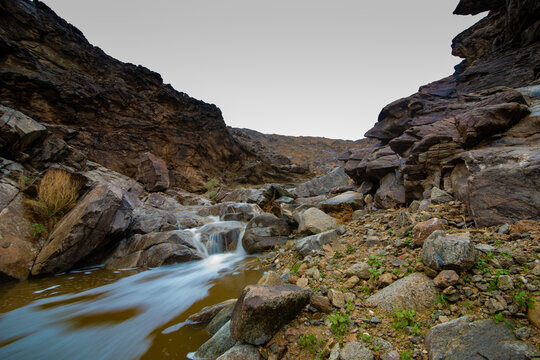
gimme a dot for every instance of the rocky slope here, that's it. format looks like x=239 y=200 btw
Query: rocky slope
x=113 y=111
x=475 y=133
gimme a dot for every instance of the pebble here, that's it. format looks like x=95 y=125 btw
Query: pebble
x=523 y=333
x=506 y=282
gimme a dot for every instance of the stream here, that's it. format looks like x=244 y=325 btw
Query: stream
x=96 y=313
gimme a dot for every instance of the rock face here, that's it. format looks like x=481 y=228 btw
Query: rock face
x=113 y=111
x=18 y=130
x=264 y=232
x=463 y=339
x=322 y=185
x=153 y=172
x=99 y=218
x=262 y=310
x=474 y=134
x=442 y=251
x=416 y=291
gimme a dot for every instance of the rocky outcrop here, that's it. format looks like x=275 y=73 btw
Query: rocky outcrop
x=113 y=111
x=153 y=172
x=98 y=219
x=473 y=134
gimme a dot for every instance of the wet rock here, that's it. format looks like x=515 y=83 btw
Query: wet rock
x=154 y=249
x=221 y=236
x=359 y=269
x=241 y=352
x=262 y=310
x=315 y=242
x=441 y=251
x=220 y=319
x=321 y=303
x=446 y=278
x=463 y=339
x=217 y=345
x=355 y=351
x=204 y=316
x=247 y=211
x=97 y=219
x=322 y=185
x=423 y=229
x=314 y=221
x=415 y=291
x=349 y=200
x=265 y=232
x=153 y=172
x=439 y=196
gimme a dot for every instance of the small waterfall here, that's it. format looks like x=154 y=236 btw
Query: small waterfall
x=219 y=237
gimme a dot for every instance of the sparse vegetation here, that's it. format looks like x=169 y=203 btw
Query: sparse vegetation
x=524 y=298
x=310 y=343
x=339 y=324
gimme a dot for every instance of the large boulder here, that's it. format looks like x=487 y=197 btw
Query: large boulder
x=346 y=201
x=217 y=345
x=154 y=249
x=391 y=191
x=415 y=291
x=315 y=242
x=98 y=219
x=322 y=185
x=314 y=221
x=454 y=251
x=464 y=339
x=153 y=172
x=18 y=131
x=262 y=310
x=264 y=232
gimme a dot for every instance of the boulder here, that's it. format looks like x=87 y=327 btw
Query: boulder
x=423 y=229
x=415 y=291
x=217 y=345
x=252 y=196
x=439 y=196
x=314 y=221
x=154 y=249
x=346 y=201
x=262 y=310
x=220 y=319
x=315 y=242
x=359 y=269
x=97 y=220
x=271 y=278
x=355 y=351
x=322 y=185
x=206 y=315
x=153 y=172
x=264 y=232
x=391 y=192
x=147 y=219
x=18 y=131
x=454 y=251
x=241 y=352
x=464 y=339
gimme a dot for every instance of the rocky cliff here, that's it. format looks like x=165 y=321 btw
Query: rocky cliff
x=110 y=110
x=475 y=133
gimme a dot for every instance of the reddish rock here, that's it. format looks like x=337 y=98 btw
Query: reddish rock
x=423 y=229
x=321 y=303
x=153 y=172
x=446 y=278
x=524 y=226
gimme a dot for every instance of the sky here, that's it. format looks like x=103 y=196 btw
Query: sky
x=291 y=67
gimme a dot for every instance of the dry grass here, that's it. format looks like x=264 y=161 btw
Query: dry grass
x=58 y=192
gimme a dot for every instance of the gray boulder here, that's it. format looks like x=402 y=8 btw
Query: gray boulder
x=391 y=191
x=264 y=232
x=322 y=185
x=347 y=200
x=355 y=351
x=314 y=221
x=439 y=196
x=464 y=339
x=262 y=310
x=454 y=251
x=217 y=345
x=415 y=291
x=315 y=242
x=241 y=352
x=206 y=315
x=18 y=131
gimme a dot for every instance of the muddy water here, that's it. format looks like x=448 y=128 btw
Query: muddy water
x=129 y=314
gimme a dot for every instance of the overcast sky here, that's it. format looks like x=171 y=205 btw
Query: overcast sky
x=292 y=67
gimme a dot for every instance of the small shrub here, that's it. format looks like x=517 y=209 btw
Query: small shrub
x=523 y=298
x=212 y=194
x=338 y=254
x=441 y=299
x=406 y=355
x=499 y=317
x=58 y=192
x=310 y=343
x=339 y=323
x=350 y=250
x=294 y=269
x=210 y=185
x=38 y=229
x=402 y=319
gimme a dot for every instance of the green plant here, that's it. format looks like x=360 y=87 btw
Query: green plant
x=38 y=229
x=350 y=250
x=374 y=273
x=339 y=323
x=210 y=185
x=499 y=317
x=310 y=343
x=295 y=267
x=349 y=306
x=402 y=319
x=505 y=254
x=494 y=282
x=323 y=273
x=441 y=299
x=212 y=194
x=482 y=265
x=523 y=298
x=338 y=254
x=408 y=241
x=374 y=260
x=58 y=192
x=366 y=289
x=406 y=355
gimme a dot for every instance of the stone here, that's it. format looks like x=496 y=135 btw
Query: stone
x=439 y=196
x=270 y=278
x=147 y=219
x=494 y=306
x=206 y=315
x=524 y=226
x=18 y=130
x=313 y=273
x=391 y=355
x=315 y=242
x=391 y=192
x=454 y=251
x=534 y=314
x=315 y=221
x=446 y=278
x=262 y=310
x=153 y=172
x=359 y=269
x=349 y=200
x=506 y=283
x=220 y=319
x=386 y=279
x=302 y=282
x=241 y=352
x=252 y=196
x=321 y=303
x=523 y=333
x=322 y=185
x=415 y=291
x=464 y=339
x=351 y=282
x=265 y=232
x=355 y=351
x=423 y=229
x=337 y=298
x=97 y=220
x=246 y=211
x=217 y=344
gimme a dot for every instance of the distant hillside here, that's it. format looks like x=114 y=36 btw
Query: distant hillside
x=319 y=154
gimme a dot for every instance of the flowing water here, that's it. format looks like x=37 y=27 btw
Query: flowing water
x=123 y=314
